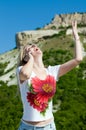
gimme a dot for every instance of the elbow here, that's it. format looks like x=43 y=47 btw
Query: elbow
x=24 y=75
x=79 y=60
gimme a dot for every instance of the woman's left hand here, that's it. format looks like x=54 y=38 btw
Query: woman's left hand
x=74 y=29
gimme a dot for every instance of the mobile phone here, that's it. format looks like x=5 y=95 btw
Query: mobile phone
x=26 y=58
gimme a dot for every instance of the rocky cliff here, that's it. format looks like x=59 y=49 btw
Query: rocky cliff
x=57 y=24
x=64 y=20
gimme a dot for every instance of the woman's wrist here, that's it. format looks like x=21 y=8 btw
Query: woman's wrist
x=77 y=39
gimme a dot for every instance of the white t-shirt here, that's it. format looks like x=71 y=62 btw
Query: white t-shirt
x=36 y=95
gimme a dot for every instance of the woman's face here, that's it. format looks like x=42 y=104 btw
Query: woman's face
x=33 y=49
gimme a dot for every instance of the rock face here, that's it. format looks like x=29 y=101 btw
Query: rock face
x=64 y=20
x=59 y=21
x=9 y=59
x=25 y=37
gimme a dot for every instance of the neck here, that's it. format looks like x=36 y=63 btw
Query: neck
x=38 y=64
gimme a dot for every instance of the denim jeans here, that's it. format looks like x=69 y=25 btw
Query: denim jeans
x=26 y=126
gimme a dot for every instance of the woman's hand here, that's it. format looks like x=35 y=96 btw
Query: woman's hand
x=30 y=55
x=74 y=29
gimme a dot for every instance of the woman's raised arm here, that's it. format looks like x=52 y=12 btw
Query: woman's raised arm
x=66 y=67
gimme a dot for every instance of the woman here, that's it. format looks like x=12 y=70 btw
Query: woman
x=38 y=85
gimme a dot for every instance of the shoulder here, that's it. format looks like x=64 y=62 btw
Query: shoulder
x=53 y=68
x=18 y=69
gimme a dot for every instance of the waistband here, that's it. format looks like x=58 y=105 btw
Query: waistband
x=37 y=125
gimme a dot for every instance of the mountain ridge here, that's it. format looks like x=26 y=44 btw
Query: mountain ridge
x=61 y=36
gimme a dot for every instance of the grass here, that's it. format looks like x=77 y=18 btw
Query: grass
x=60 y=42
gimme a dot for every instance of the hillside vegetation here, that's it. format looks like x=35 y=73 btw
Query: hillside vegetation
x=70 y=98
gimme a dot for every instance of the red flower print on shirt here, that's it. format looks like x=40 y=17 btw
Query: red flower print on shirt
x=45 y=89
x=42 y=92
x=32 y=99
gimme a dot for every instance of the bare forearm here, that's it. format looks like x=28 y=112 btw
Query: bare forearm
x=78 y=49
x=26 y=70
x=66 y=67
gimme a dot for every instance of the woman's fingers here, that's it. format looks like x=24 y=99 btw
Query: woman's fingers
x=74 y=24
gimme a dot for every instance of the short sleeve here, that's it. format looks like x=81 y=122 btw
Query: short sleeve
x=17 y=72
x=54 y=70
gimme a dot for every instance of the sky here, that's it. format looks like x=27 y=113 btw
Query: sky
x=26 y=15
